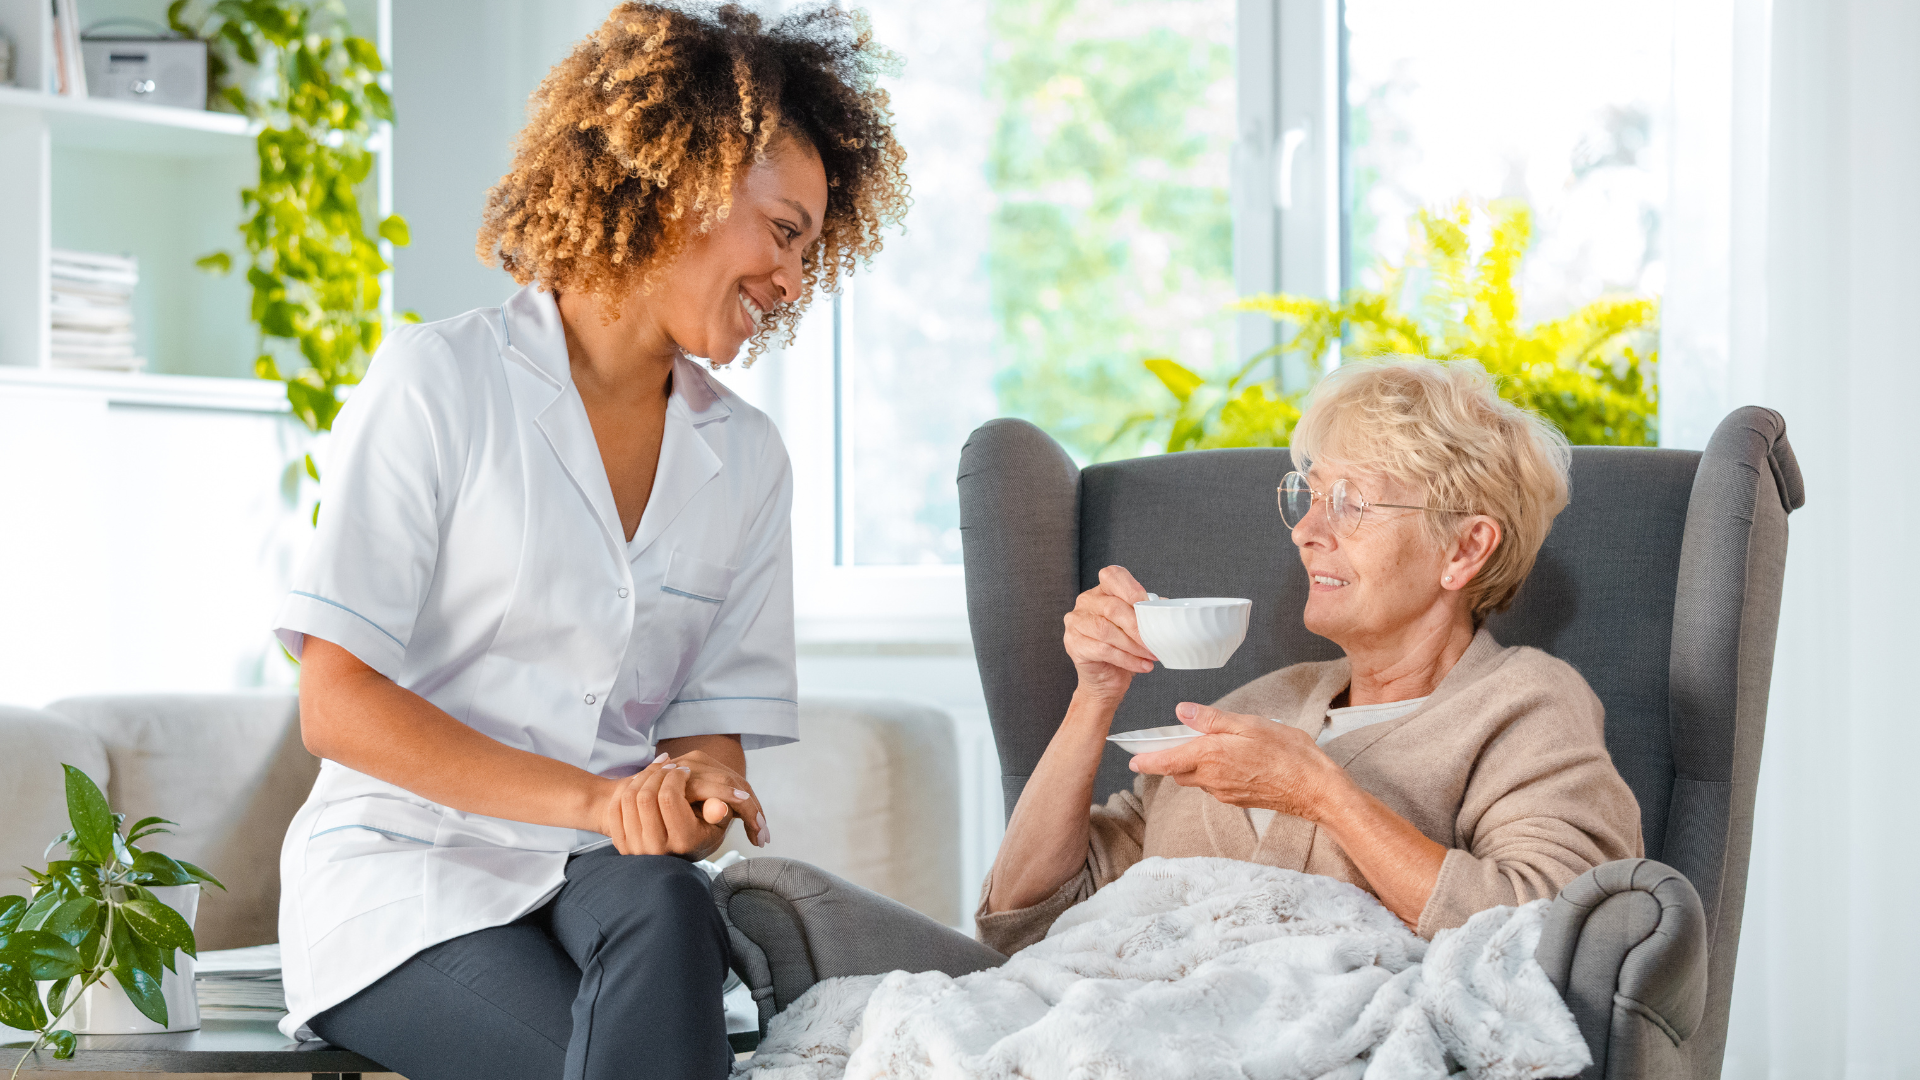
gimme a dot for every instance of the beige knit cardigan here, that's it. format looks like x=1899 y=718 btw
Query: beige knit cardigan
x=1505 y=765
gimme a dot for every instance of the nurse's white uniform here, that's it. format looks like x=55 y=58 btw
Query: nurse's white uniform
x=469 y=549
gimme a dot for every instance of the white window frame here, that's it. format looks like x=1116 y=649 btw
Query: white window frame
x=1287 y=237
x=1288 y=232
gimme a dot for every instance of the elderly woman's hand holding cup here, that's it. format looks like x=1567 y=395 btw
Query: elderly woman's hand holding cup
x=1103 y=636
x=1118 y=629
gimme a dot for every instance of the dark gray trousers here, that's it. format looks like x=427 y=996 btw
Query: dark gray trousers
x=619 y=975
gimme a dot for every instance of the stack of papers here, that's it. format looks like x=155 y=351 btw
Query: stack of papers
x=93 y=311
x=240 y=984
x=244 y=984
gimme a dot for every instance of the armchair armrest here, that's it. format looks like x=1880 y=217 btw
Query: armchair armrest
x=1626 y=945
x=791 y=925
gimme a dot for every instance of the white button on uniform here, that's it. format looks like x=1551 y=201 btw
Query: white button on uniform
x=623 y=594
x=589 y=699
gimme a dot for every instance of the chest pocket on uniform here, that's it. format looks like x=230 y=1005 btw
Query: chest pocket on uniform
x=697 y=579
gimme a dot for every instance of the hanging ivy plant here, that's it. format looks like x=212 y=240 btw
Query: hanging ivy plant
x=314 y=270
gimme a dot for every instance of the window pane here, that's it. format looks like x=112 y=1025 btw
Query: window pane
x=1069 y=160
x=1562 y=105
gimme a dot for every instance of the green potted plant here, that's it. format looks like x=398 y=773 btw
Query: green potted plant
x=102 y=926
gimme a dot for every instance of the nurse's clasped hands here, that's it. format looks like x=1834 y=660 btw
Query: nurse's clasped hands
x=681 y=806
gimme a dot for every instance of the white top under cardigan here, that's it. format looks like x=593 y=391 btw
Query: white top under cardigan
x=1338 y=723
x=469 y=549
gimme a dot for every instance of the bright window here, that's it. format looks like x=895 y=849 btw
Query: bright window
x=1070 y=169
x=1094 y=181
x=1561 y=105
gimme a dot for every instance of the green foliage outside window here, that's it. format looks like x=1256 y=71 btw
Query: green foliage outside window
x=1590 y=372
x=314 y=269
x=1112 y=237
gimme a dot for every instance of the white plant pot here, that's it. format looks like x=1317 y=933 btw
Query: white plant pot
x=104 y=1008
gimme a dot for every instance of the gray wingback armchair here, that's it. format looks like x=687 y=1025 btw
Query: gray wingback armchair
x=1660 y=583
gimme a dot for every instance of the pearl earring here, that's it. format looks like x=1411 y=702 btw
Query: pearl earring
x=1448 y=579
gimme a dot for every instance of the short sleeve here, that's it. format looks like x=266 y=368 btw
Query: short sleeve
x=389 y=464
x=743 y=682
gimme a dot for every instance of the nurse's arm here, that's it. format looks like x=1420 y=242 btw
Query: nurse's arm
x=356 y=716
x=352 y=714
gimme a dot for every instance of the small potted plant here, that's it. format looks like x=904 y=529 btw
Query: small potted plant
x=106 y=921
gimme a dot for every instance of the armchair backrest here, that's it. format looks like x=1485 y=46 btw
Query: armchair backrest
x=1660 y=583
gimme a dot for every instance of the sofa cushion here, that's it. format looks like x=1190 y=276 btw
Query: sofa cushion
x=230 y=768
x=33 y=798
x=871 y=793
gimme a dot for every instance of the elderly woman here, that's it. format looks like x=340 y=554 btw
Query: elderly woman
x=1432 y=766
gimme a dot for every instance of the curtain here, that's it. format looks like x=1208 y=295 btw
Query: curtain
x=1801 y=304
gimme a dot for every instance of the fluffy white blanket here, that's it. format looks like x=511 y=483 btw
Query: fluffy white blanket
x=1203 y=968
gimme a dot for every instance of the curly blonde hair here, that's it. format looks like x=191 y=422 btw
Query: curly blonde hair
x=1445 y=429
x=634 y=142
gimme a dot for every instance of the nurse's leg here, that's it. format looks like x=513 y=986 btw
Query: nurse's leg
x=652 y=953
x=495 y=1003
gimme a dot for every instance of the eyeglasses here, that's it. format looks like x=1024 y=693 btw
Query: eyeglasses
x=1345 y=505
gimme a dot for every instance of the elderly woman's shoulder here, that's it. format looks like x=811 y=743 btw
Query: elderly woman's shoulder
x=1527 y=662
x=1534 y=680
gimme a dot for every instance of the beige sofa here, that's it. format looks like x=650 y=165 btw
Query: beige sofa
x=870 y=793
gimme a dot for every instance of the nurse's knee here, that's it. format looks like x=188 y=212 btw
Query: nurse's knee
x=653 y=888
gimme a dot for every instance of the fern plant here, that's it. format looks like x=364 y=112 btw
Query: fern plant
x=1588 y=372
x=314 y=270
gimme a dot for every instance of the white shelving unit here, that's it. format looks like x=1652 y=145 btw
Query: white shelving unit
x=100 y=124
x=162 y=184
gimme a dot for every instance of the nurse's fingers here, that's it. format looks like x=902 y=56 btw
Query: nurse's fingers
x=646 y=807
x=685 y=833
x=704 y=786
x=628 y=841
x=618 y=820
x=711 y=771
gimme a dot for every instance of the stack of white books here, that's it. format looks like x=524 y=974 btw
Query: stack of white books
x=235 y=984
x=93 y=311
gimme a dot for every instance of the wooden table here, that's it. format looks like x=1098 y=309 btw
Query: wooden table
x=220 y=1046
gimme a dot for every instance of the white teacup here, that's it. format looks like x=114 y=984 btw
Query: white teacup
x=1198 y=632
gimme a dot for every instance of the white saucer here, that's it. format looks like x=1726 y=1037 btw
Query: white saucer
x=1147 y=740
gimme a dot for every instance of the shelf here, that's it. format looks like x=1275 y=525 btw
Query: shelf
x=165 y=391
x=130 y=127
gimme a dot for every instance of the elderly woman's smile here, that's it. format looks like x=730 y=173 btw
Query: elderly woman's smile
x=1373 y=568
x=1431 y=766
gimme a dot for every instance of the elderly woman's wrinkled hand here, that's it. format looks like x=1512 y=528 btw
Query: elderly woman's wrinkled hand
x=1103 y=637
x=1250 y=761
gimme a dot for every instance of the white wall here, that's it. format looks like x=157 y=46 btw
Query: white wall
x=462 y=70
x=142 y=548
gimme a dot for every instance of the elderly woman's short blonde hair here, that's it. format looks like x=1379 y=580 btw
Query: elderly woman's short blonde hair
x=1443 y=427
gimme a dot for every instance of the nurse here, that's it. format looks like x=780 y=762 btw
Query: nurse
x=548 y=605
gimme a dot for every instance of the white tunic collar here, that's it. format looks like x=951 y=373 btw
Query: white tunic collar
x=531 y=334
x=532 y=337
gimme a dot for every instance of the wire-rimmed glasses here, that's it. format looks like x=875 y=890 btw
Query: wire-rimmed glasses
x=1344 y=503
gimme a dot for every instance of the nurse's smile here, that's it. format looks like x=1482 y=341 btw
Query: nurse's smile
x=749 y=264
x=719 y=291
